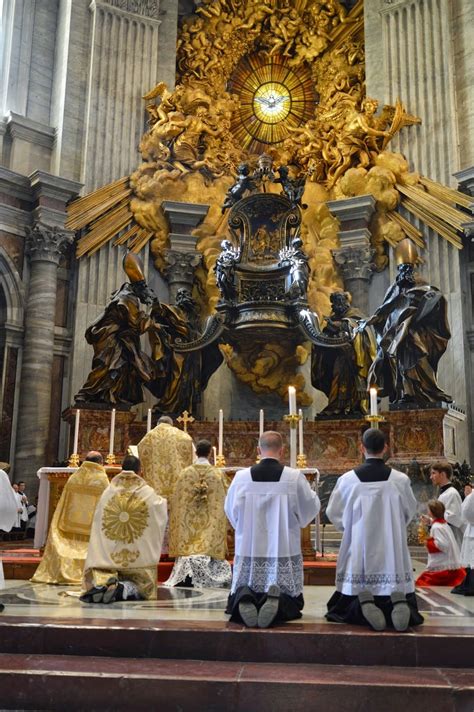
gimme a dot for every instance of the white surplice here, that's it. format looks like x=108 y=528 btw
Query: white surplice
x=8 y=510
x=373 y=517
x=467 y=548
x=268 y=518
x=448 y=556
x=452 y=512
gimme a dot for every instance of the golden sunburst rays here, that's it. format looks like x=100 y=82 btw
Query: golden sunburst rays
x=107 y=214
x=273 y=98
x=436 y=206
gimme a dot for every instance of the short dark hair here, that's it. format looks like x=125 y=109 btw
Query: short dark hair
x=165 y=419
x=94 y=456
x=130 y=462
x=21 y=482
x=436 y=508
x=443 y=467
x=374 y=441
x=203 y=448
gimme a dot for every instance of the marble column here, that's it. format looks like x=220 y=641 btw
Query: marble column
x=355 y=254
x=44 y=247
x=182 y=258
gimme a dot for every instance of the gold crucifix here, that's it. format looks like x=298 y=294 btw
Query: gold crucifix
x=185 y=418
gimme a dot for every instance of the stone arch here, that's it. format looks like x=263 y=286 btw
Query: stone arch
x=12 y=308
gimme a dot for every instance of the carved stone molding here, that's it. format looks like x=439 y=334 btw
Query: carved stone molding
x=354 y=262
x=147 y=8
x=46 y=243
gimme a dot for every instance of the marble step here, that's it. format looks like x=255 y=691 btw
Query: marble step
x=110 y=684
x=302 y=643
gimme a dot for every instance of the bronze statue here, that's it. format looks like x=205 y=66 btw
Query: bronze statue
x=119 y=366
x=225 y=271
x=180 y=378
x=243 y=183
x=412 y=334
x=341 y=373
x=292 y=187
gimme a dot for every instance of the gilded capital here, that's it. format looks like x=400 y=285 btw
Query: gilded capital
x=45 y=243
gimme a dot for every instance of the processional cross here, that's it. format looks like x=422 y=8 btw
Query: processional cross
x=185 y=418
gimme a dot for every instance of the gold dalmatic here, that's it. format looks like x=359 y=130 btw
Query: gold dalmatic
x=198 y=524
x=164 y=452
x=68 y=538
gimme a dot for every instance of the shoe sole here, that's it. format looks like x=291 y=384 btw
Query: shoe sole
x=401 y=616
x=374 y=616
x=269 y=610
x=248 y=613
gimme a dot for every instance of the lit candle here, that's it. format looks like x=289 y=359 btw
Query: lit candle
x=214 y=452
x=76 y=432
x=112 y=432
x=148 y=421
x=300 y=432
x=373 y=401
x=292 y=399
x=221 y=433
x=262 y=423
x=293 y=431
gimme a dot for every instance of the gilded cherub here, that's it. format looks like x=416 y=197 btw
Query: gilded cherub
x=285 y=29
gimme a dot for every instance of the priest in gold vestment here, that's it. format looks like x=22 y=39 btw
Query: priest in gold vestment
x=198 y=525
x=126 y=538
x=68 y=538
x=164 y=452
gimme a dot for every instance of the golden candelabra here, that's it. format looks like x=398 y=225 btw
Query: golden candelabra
x=374 y=420
x=293 y=419
x=110 y=459
x=301 y=460
x=220 y=461
x=73 y=460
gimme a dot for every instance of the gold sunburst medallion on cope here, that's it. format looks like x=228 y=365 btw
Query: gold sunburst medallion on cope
x=273 y=99
x=125 y=518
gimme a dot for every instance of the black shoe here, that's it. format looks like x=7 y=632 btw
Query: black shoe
x=94 y=595
x=269 y=610
x=401 y=611
x=2 y=607
x=373 y=615
x=248 y=613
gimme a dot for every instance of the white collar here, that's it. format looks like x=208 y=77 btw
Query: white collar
x=202 y=461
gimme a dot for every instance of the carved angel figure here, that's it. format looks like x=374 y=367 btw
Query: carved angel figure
x=243 y=183
x=225 y=270
x=299 y=268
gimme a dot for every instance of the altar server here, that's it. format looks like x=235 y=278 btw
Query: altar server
x=164 y=453
x=268 y=504
x=68 y=538
x=372 y=505
x=466 y=587
x=441 y=473
x=126 y=538
x=444 y=564
x=198 y=526
x=8 y=513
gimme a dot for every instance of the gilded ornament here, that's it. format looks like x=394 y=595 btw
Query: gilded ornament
x=125 y=518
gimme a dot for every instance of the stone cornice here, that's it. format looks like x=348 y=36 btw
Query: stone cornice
x=14 y=220
x=48 y=185
x=15 y=184
x=29 y=130
x=359 y=208
x=136 y=9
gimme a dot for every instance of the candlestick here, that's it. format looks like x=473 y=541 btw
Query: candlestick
x=293 y=431
x=262 y=423
x=292 y=400
x=221 y=433
x=300 y=433
x=112 y=432
x=214 y=452
x=76 y=432
x=148 y=421
x=373 y=402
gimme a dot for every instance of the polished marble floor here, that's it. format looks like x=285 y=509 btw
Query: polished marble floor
x=24 y=599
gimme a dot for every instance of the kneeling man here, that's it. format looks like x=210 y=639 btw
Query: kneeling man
x=372 y=505
x=268 y=505
x=126 y=538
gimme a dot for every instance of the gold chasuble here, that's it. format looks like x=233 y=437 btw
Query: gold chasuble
x=68 y=539
x=164 y=453
x=198 y=524
x=127 y=534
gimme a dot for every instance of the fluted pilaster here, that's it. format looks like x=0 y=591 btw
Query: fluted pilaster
x=44 y=247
